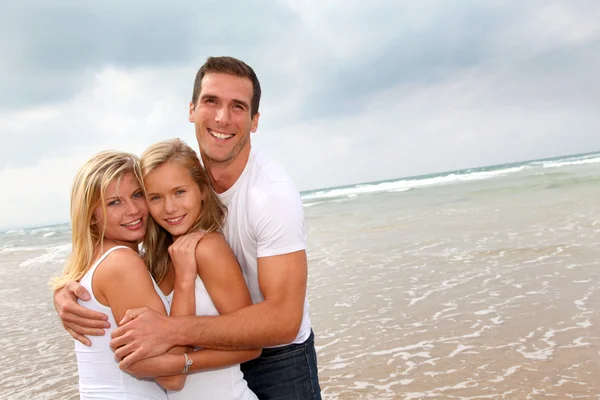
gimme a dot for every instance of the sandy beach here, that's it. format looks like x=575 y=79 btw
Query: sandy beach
x=465 y=289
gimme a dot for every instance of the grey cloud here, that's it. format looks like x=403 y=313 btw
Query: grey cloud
x=54 y=50
x=445 y=44
x=50 y=47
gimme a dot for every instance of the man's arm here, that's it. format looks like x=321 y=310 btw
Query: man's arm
x=76 y=319
x=274 y=321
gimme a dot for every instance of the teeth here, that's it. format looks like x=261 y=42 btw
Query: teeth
x=176 y=219
x=218 y=135
x=137 y=221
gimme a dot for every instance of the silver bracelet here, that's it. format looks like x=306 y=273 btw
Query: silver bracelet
x=188 y=363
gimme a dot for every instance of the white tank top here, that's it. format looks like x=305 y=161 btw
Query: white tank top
x=99 y=373
x=225 y=383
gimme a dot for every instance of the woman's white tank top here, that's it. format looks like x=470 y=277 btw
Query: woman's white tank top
x=99 y=373
x=225 y=383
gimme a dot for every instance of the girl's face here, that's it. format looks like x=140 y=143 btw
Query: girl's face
x=174 y=198
x=126 y=211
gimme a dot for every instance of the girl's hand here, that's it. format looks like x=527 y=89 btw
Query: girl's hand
x=183 y=256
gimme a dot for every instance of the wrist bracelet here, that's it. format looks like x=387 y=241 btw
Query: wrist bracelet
x=188 y=363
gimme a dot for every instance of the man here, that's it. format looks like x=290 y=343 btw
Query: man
x=264 y=227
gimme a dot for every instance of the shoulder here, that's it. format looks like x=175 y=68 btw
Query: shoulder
x=121 y=264
x=281 y=195
x=269 y=175
x=271 y=185
x=262 y=181
x=212 y=245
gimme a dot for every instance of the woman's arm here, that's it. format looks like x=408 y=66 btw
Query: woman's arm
x=122 y=282
x=222 y=276
x=168 y=368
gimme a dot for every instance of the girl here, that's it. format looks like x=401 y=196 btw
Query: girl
x=109 y=217
x=181 y=201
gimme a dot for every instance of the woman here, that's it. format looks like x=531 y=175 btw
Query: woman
x=181 y=201
x=109 y=218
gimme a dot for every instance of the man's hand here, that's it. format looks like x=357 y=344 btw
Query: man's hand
x=76 y=319
x=143 y=333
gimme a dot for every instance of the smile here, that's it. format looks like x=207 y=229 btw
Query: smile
x=175 y=221
x=133 y=224
x=219 y=135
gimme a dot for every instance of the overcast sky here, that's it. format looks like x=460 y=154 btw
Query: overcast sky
x=353 y=90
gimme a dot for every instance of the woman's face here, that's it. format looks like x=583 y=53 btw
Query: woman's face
x=174 y=198
x=126 y=211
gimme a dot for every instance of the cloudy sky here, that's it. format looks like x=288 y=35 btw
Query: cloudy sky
x=353 y=91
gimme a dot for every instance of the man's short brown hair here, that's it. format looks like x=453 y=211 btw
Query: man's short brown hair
x=231 y=66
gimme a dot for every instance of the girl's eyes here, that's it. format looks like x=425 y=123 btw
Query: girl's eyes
x=138 y=195
x=180 y=192
x=114 y=202
x=152 y=198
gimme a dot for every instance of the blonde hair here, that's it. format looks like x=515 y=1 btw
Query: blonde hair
x=212 y=214
x=89 y=190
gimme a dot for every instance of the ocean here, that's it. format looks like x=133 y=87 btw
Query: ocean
x=472 y=284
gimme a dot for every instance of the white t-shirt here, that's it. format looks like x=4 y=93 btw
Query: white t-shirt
x=264 y=218
x=99 y=373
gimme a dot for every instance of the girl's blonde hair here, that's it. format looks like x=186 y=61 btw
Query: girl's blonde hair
x=89 y=191
x=212 y=214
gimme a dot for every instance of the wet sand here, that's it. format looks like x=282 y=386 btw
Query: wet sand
x=481 y=290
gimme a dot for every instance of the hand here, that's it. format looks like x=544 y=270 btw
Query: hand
x=143 y=333
x=76 y=319
x=183 y=255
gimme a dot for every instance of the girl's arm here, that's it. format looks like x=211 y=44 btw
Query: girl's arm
x=222 y=276
x=224 y=281
x=122 y=282
x=183 y=258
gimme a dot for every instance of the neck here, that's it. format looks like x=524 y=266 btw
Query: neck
x=112 y=243
x=223 y=175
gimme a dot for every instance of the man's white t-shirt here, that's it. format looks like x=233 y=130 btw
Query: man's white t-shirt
x=264 y=218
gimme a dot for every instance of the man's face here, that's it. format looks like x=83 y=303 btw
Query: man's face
x=222 y=119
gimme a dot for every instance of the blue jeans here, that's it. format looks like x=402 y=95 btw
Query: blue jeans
x=285 y=373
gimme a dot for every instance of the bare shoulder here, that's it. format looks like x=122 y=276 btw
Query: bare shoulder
x=212 y=243
x=212 y=249
x=121 y=263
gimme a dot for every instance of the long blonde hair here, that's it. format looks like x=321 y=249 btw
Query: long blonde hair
x=89 y=190
x=212 y=214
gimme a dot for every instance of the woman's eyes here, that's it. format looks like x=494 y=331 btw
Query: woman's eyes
x=157 y=197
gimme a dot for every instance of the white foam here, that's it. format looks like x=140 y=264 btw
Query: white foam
x=20 y=249
x=558 y=164
x=54 y=254
x=460 y=348
x=408 y=184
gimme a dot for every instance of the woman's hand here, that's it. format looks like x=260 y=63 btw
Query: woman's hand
x=183 y=256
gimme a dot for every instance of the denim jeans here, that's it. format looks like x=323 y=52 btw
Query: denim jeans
x=285 y=373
